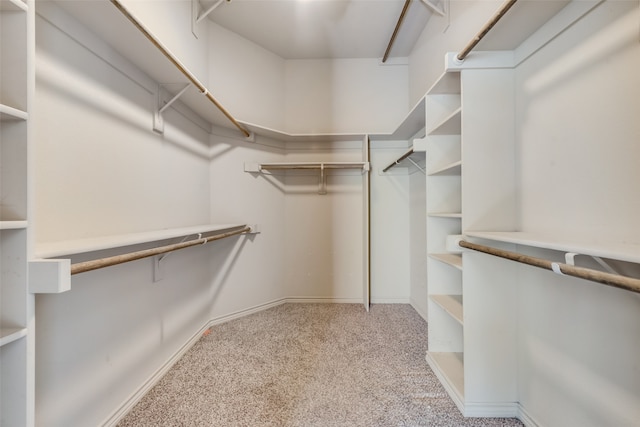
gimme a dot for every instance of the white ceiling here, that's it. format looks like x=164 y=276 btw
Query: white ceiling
x=306 y=29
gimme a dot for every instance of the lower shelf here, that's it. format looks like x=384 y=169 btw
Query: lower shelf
x=449 y=368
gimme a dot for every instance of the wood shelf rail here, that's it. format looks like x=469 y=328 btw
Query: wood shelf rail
x=485 y=30
x=614 y=280
x=192 y=79
x=83 y=267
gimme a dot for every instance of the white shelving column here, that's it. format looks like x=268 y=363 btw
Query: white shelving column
x=444 y=218
x=16 y=304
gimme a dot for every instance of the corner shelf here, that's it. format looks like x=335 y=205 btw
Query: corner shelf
x=450 y=125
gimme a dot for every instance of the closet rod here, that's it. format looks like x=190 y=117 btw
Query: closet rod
x=615 y=280
x=401 y=158
x=82 y=267
x=395 y=31
x=487 y=27
x=312 y=166
x=178 y=65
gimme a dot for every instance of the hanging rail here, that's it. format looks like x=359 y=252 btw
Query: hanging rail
x=178 y=65
x=82 y=267
x=398 y=160
x=395 y=31
x=615 y=280
x=487 y=27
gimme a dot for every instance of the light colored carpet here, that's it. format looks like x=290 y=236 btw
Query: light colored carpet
x=307 y=365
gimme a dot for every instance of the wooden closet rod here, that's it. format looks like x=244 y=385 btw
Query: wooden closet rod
x=615 y=280
x=178 y=65
x=82 y=267
x=487 y=27
x=395 y=31
x=404 y=156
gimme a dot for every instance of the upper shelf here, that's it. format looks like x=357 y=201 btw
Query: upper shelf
x=114 y=28
x=412 y=124
x=519 y=23
x=72 y=247
x=13 y=6
x=622 y=251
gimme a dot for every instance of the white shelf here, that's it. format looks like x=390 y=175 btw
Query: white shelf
x=450 y=125
x=9 y=335
x=71 y=247
x=13 y=6
x=13 y=225
x=12 y=114
x=454 y=168
x=447 y=84
x=521 y=21
x=452 y=304
x=454 y=260
x=622 y=251
x=112 y=27
x=449 y=368
x=456 y=215
x=410 y=126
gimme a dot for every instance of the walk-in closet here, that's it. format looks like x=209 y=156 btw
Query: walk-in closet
x=319 y=212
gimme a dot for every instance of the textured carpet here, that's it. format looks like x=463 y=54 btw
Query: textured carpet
x=307 y=365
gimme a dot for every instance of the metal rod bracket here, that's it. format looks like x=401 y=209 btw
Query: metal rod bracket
x=197 y=16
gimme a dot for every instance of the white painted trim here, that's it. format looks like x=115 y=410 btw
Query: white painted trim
x=390 y=301
x=526 y=417
x=491 y=409
x=417 y=308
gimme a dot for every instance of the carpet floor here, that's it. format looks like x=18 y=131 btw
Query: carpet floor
x=307 y=365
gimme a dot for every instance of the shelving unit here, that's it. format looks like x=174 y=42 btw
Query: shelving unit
x=471 y=185
x=16 y=304
x=444 y=218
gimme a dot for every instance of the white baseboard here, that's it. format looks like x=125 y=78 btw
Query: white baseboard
x=390 y=301
x=526 y=418
x=491 y=409
x=420 y=311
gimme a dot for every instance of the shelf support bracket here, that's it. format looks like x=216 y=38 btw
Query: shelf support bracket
x=570 y=259
x=197 y=16
x=158 y=120
x=434 y=8
x=420 y=168
x=322 y=185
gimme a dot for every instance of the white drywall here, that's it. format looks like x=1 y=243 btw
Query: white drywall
x=578 y=103
x=344 y=96
x=390 y=227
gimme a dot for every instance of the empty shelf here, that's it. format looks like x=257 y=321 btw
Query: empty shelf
x=452 y=304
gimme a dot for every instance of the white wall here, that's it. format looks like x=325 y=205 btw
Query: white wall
x=578 y=103
x=247 y=79
x=324 y=233
x=418 y=242
x=344 y=96
x=390 y=226
x=100 y=170
x=256 y=274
